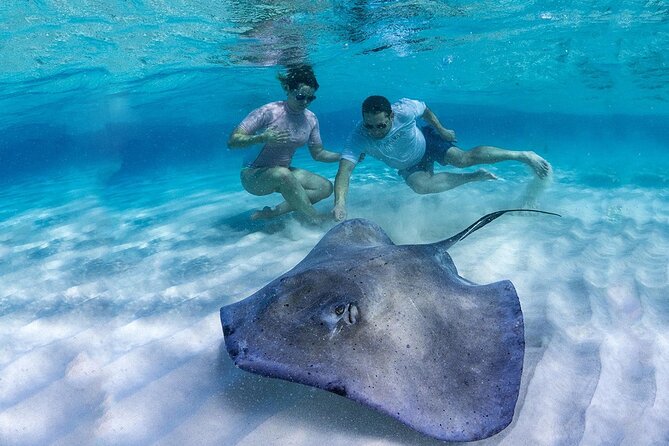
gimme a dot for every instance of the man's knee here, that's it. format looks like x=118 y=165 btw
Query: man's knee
x=457 y=158
x=420 y=187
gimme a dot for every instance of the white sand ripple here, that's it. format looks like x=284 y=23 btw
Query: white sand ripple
x=109 y=328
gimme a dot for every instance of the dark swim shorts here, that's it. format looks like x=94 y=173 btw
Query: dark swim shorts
x=435 y=150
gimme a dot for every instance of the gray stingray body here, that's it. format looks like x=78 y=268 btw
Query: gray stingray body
x=391 y=326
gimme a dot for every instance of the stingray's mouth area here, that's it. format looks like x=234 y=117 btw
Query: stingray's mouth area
x=306 y=374
x=293 y=373
x=246 y=360
x=236 y=350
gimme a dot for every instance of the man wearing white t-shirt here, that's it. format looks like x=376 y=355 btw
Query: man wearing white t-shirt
x=390 y=133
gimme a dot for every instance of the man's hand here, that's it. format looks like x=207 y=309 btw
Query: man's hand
x=431 y=118
x=339 y=212
x=447 y=135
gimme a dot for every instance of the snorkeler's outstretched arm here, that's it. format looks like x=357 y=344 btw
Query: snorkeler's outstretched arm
x=320 y=154
x=341 y=188
x=431 y=118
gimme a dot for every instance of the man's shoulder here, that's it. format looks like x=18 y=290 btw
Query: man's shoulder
x=407 y=103
x=408 y=109
x=357 y=134
x=405 y=100
x=357 y=139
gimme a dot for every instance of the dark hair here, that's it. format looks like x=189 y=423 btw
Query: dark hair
x=296 y=75
x=376 y=104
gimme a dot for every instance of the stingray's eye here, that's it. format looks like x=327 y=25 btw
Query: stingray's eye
x=353 y=313
x=339 y=309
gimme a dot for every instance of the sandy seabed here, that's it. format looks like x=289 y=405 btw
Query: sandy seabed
x=109 y=328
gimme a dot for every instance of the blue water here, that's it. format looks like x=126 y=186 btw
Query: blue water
x=120 y=234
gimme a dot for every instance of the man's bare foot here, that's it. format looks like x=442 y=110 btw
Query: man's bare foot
x=484 y=175
x=540 y=166
x=265 y=214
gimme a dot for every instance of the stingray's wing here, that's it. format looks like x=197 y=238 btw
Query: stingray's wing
x=481 y=222
x=350 y=235
x=459 y=376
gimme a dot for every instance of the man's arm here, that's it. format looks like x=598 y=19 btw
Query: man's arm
x=341 y=188
x=320 y=154
x=431 y=118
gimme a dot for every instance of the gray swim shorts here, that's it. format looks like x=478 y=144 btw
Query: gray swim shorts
x=435 y=150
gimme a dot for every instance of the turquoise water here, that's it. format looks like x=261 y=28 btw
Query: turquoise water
x=119 y=204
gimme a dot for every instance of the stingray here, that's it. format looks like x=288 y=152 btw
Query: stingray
x=393 y=327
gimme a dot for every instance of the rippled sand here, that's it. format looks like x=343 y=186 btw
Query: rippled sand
x=110 y=294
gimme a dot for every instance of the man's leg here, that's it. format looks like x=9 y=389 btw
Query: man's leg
x=277 y=179
x=427 y=183
x=491 y=155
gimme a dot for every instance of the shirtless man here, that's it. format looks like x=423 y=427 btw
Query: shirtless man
x=390 y=133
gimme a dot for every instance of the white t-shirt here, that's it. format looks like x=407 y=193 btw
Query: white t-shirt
x=401 y=148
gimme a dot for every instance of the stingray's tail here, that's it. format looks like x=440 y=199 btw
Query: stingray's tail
x=481 y=222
